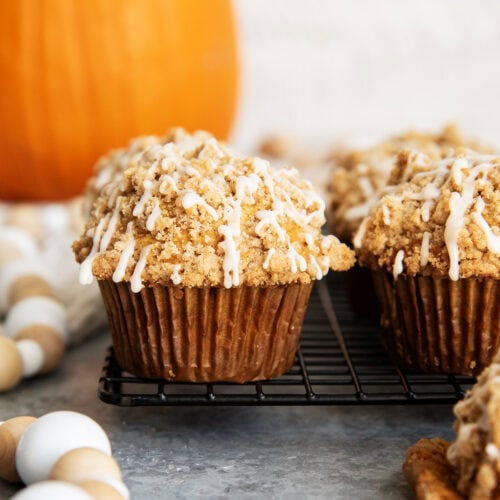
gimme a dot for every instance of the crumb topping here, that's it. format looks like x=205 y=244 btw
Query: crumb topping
x=441 y=217
x=184 y=210
x=475 y=455
x=358 y=177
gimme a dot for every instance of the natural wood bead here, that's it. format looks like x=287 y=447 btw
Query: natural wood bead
x=85 y=464
x=10 y=434
x=49 y=340
x=277 y=146
x=100 y=490
x=25 y=216
x=11 y=365
x=29 y=285
x=9 y=252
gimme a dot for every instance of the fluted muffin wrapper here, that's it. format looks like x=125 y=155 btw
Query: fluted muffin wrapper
x=436 y=325
x=205 y=334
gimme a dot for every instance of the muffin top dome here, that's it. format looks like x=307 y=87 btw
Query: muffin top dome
x=359 y=176
x=475 y=454
x=441 y=217
x=183 y=210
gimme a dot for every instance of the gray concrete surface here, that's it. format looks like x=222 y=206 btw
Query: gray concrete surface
x=238 y=452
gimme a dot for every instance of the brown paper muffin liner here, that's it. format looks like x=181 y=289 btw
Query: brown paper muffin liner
x=436 y=325
x=205 y=334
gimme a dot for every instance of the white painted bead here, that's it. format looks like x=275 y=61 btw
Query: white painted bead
x=15 y=270
x=36 y=311
x=53 y=490
x=32 y=357
x=53 y=435
x=55 y=218
x=19 y=238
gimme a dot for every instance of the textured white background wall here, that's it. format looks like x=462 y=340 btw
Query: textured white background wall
x=328 y=70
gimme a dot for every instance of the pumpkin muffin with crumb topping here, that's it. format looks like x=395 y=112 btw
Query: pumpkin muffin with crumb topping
x=433 y=245
x=205 y=260
x=469 y=467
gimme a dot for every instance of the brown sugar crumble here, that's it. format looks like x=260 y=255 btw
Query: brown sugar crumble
x=441 y=217
x=183 y=210
x=359 y=176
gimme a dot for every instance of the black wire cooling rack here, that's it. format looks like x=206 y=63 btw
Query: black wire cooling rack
x=340 y=361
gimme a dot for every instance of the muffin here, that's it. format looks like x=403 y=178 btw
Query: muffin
x=432 y=243
x=470 y=466
x=205 y=261
x=358 y=177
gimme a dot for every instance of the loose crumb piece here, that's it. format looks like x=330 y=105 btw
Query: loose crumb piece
x=428 y=472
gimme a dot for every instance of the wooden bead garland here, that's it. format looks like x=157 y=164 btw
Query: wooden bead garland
x=11 y=365
x=100 y=490
x=35 y=318
x=90 y=468
x=85 y=464
x=10 y=434
x=50 y=343
x=53 y=490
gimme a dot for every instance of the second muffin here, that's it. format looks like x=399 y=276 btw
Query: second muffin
x=206 y=261
x=433 y=245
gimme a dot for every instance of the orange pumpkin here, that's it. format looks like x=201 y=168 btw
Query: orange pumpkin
x=78 y=77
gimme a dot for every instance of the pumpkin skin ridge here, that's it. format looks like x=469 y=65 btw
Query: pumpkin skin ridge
x=80 y=85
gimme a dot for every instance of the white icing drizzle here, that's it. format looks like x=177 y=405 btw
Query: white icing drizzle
x=386 y=215
x=211 y=148
x=121 y=268
x=425 y=211
x=317 y=268
x=309 y=239
x=269 y=218
x=247 y=185
x=167 y=180
x=190 y=199
x=175 y=276
x=492 y=240
x=269 y=255
x=85 y=272
x=230 y=231
x=359 y=211
x=136 y=279
x=397 y=268
x=139 y=208
x=366 y=186
x=360 y=233
x=106 y=238
x=294 y=257
x=156 y=212
x=103 y=177
x=262 y=168
x=456 y=170
x=459 y=203
x=424 y=249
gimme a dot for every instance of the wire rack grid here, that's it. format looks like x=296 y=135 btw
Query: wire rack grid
x=340 y=361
